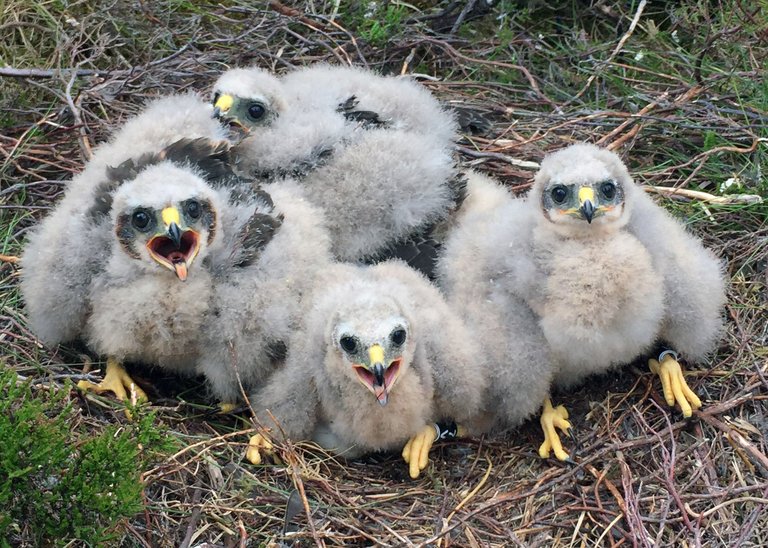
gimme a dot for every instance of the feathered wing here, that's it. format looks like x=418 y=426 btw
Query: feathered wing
x=162 y=122
x=401 y=102
x=287 y=403
x=61 y=257
x=485 y=271
x=263 y=274
x=291 y=394
x=421 y=247
x=694 y=285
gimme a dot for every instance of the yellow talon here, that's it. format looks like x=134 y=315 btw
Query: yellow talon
x=416 y=450
x=674 y=385
x=257 y=445
x=227 y=407
x=116 y=380
x=551 y=419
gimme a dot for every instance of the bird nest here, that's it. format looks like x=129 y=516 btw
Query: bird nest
x=678 y=91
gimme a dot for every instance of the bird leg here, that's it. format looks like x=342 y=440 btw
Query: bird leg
x=116 y=380
x=416 y=450
x=259 y=445
x=673 y=383
x=551 y=419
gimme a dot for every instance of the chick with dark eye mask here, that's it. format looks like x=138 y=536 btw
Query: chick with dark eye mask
x=583 y=275
x=377 y=361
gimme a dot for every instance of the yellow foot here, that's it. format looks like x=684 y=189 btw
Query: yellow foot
x=673 y=383
x=551 y=419
x=416 y=451
x=259 y=445
x=117 y=381
x=227 y=407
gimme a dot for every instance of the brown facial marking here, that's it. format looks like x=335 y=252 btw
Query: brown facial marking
x=208 y=219
x=126 y=236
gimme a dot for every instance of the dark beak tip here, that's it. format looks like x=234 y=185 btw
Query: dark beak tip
x=588 y=210
x=174 y=233
x=378 y=374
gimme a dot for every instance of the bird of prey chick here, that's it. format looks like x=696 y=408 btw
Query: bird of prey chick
x=374 y=152
x=378 y=359
x=605 y=273
x=197 y=265
x=58 y=265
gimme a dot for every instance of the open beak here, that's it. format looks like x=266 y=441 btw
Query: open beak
x=587 y=203
x=175 y=249
x=377 y=377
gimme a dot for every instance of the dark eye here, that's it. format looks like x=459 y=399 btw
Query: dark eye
x=398 y=337
x=348 y=344
x=140 y=219
x=256 y=111
x=559 y=194
x=608 y=190
x=193 y=209
x=216 y=98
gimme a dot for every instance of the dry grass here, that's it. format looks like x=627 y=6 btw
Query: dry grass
x=682 y=95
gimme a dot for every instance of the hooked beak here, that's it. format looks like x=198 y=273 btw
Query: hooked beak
x=377 y=377
x=587 y=203
x=175 y=249
x=174 y=233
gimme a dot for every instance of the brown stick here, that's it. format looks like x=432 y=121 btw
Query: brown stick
x=282 y=9
x=756 y=456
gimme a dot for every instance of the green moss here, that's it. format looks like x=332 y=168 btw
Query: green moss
x=58 y=484
x=376 y=22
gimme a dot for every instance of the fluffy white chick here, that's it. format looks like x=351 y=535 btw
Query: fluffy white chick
x=58 y=267
x=605 y=273
x=374 y=152
x=196 y=261
x=378 y=359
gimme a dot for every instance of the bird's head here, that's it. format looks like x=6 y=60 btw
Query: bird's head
x=583 y=191
x=166 y=217
x=372 y=343
x=247 y=98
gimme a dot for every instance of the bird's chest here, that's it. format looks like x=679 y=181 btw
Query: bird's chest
x=360 y=420
x=598 y=290
x=152 y=320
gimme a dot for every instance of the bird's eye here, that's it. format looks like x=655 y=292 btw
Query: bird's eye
x=348 y=344
x=398 y=337
x=140 y=219
x=216 y=98
x=256 y=111
x=193 y=209
x=608 y=190
x=559 y=194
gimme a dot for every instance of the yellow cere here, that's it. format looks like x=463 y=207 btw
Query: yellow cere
x=170 y=215
x=376 y=354
x=586 y=193
x=224 y=103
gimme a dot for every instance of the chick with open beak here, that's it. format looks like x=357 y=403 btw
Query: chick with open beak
x=170 y=231
x=172 y=246
x=377 y=367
